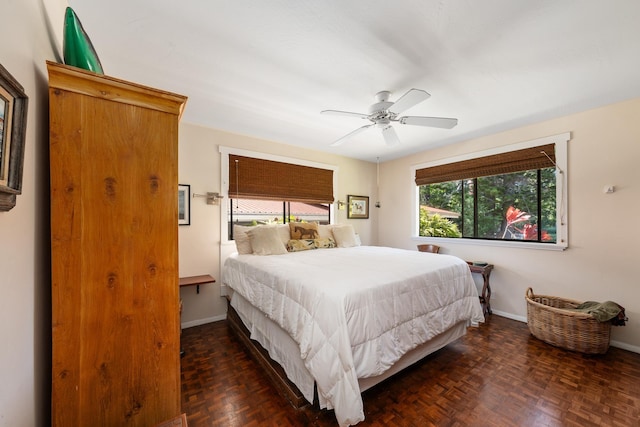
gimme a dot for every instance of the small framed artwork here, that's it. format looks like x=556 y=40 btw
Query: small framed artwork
x=13 y=125
x=184 y=204
x=357 y=207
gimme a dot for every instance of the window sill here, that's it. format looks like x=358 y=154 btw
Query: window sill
x=491 y=243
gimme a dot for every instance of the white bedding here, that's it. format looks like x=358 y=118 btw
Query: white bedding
x=355 y=311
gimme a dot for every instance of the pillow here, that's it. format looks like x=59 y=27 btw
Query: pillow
x=345 y=236
x=297 y=245
x=243 y=244
x=324 y=231
x=283 y=233
x=266 y=241
x=303 y=230
x=324 y=243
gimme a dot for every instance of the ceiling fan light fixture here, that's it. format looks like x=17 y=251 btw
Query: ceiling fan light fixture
x=382 y=123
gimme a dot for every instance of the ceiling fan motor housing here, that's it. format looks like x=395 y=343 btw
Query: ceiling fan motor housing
x=379 y=107
x=379 y=112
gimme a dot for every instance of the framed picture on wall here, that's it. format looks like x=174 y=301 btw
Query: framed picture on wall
x=357 y=207
x=184 y=204
x=13 y=125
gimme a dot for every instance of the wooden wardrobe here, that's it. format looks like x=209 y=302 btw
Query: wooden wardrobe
x=114 y=250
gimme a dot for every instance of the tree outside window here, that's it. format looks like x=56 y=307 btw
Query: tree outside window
x=518 y=206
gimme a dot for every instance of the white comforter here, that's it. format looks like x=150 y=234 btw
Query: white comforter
x=355 y=311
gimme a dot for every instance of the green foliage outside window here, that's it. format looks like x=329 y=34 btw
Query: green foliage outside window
x=487 y=205
x=437 y=226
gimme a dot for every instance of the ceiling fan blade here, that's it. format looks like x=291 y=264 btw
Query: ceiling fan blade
x=408 y=100
x=344 y=113
x=434 y=122
x=390 y=136
x=349 y=135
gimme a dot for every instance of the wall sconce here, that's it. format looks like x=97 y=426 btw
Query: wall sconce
x=341 y=205
x=212 y=198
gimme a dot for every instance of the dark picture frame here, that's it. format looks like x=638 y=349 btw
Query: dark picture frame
x=357 y=207
x=184 y=204
x=13 y=125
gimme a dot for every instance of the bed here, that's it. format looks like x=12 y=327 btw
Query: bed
x=344 y=317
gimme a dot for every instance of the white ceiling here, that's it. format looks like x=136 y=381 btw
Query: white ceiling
x=267 y=68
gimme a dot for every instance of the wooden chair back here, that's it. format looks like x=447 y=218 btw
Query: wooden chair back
x=428 y=247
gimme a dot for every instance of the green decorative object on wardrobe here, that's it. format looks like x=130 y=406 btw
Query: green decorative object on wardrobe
x=77 y=47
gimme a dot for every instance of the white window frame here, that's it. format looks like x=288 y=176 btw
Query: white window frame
x=562 y=236
x=224 y=179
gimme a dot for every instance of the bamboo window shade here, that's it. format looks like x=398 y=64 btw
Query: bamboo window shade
x=271 y=180
x=496 y=164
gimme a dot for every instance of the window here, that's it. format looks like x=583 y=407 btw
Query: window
x=515 y=194
x=256 y=178
x=515 y=206
x=266 y=189
x=255 y=212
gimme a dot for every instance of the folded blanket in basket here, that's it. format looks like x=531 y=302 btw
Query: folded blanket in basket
x=604 y=311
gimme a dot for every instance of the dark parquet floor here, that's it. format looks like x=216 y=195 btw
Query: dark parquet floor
x=497 y=375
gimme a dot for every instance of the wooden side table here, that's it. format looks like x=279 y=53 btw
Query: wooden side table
x=197 y=281
x=485 y=296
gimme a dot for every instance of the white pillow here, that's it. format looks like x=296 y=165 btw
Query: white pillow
x=345 y=236
x=324 y=231
x=243 y=244
x=265 y=240
x=283 y=232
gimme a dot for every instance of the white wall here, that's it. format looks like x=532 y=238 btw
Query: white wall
x=25 y=291
x=599 y=264
x=200 y=242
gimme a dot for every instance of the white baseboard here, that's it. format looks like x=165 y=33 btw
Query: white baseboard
x=617 y=344
x=522 y=319
x=625 y=346
x=204 y=321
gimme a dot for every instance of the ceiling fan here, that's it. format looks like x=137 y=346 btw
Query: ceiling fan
x=384 y=112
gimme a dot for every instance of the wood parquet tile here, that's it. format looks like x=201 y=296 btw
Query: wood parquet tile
x=497 y=375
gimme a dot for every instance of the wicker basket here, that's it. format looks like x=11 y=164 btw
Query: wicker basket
x=550 y=321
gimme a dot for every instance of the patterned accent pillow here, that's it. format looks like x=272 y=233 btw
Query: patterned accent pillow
x=303 y=230
x=297 y=245
x=325 y=243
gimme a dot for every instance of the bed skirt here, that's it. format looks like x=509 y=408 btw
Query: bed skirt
x=290 y=385
x=274 y=371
